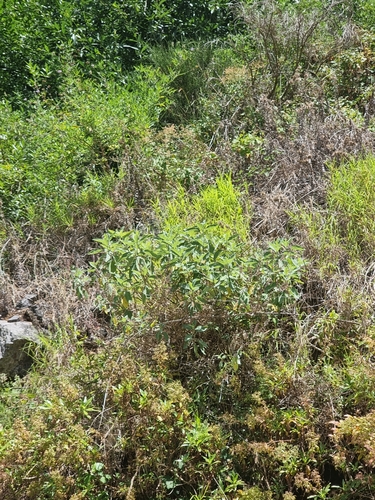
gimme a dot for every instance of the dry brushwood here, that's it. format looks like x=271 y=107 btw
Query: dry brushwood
x=289 y=41
x=298 y=158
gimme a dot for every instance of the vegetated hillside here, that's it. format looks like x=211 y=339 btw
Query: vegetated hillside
x=197 y=224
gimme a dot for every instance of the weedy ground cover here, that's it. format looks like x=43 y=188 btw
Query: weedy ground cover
x=198 y=232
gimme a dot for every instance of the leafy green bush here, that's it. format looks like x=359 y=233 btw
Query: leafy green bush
x=363 y=12
x=191 y=68
x=196 y=271
x=41 y=41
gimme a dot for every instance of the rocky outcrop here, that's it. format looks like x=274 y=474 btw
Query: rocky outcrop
x=15 y=337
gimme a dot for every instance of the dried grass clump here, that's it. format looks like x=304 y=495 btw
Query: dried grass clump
x=297 y=157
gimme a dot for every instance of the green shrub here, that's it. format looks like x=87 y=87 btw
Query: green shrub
x=197 y=271
x=40 y=41
x=51 y=157
x=190 y=66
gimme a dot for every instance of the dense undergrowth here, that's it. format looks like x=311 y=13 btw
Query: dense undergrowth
x=188 y=191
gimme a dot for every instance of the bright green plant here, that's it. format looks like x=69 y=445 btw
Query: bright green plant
x=351 y=198
x=324 y=492
x=198 y=438
x=344 y=231
x=247 y=144
x=219 y=205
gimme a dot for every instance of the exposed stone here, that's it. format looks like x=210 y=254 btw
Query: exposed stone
x=14 y=319
x=27 y=301
x=38 y=313
x=14 y=339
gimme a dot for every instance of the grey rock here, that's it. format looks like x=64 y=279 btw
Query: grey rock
x=38 y=313
x=14 y=319
x=27 y=301
x=14 y=339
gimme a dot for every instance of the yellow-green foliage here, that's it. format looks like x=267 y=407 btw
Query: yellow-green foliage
x=256 y=493
x=354 y=439
x=344 y=231
x=351 y=197
x=220 y=204
x=66 y=432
